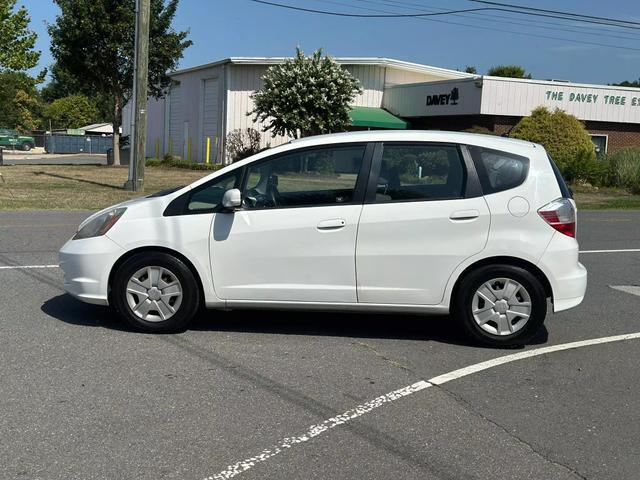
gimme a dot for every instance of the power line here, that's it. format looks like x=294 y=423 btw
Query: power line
x=485 y=17
x=449 y=12
x=486 y=2
x=360 y=15
x=594 y=30
x=548 y=37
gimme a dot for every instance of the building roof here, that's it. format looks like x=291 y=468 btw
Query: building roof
x=380 y=61
x=98 y=127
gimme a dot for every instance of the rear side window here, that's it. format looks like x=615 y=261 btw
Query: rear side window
x=420 y=172
x=499 y=171
x=566 y=193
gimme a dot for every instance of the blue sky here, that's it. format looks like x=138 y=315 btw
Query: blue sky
x=223 y=28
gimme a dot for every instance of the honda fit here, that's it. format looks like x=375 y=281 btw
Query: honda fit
x=479 y=227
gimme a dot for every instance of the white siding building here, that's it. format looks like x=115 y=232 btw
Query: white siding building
x=209 y=101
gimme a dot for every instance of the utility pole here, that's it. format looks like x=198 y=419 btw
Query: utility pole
x=138 y=139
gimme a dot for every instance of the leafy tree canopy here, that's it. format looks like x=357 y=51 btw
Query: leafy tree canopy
x=93 y=42
x=626 y=83
x=17 y=42
x=305 y=96
x=20 y=106
x=511 y=71
x=471 y=69
x=73 y=111
x=562 y=135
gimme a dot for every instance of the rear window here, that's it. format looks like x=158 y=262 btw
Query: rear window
x=499 y=171
x=566 y=193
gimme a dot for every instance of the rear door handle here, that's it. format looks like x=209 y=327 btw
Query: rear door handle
x=462 y=215
x=332 y=224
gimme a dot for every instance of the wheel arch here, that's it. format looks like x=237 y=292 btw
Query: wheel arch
x=504 y=260
x=146 y=249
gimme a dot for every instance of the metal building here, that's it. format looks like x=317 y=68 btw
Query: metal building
x=207 y=102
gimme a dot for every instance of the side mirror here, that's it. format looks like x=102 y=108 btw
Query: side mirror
x=232 y=199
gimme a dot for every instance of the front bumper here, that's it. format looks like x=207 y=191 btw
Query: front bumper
x=86 y=265
x=567 y=276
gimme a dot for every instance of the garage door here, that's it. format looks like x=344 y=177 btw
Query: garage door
x=176 y=123
x=210 y=118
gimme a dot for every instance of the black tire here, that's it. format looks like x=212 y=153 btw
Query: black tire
x=462 y=304
x=186 y=310
x=27 y=146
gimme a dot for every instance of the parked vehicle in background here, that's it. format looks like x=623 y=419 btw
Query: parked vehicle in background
x=424 y=222
x=14 y=139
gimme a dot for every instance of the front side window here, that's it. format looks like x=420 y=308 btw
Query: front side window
x=310 y=177
x=209 y=197
x=420 y=172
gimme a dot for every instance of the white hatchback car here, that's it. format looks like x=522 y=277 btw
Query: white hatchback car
x=422 y=222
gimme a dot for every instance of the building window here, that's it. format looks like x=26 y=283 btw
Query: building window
x=600 y=142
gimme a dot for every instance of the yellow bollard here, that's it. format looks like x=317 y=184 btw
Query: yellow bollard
x=189 y=149
x=158 y=148
x=208 y=150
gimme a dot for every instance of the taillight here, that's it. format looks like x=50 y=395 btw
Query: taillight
x=561 y=215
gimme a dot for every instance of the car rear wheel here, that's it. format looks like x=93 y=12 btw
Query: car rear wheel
x=500 y=305
x=156 y=293
x=27 y=146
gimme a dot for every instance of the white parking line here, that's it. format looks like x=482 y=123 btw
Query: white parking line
x=623 y=250
x=26 y=267
x=316 y=430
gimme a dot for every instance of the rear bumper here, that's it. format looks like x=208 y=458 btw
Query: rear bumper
x=567 y=276
x=86 y=265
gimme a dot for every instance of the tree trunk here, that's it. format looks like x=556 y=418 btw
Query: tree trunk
x=116 y=131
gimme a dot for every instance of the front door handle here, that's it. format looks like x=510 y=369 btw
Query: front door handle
x=332 y=224
x=462 y=215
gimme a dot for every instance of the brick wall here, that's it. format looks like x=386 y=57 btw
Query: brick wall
x=620 y=135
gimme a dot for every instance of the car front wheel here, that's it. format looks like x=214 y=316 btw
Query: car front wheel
x=156 y=293
x=27 y=146
x=500 y=305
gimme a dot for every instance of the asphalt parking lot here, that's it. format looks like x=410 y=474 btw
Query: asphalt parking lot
x=257 y=395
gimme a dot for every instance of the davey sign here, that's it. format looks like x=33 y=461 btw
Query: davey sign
x=449 y=97
x=444 y=98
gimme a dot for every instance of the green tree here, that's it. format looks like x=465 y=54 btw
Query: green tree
x=471 y=69
x=20 y=105
x=511 y=71
x=17 y=42
x=305 y=96
x=73 y=111
x=93 y=41
x=626 y=83
x=563 y=136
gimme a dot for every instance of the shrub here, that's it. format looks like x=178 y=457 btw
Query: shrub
x=480 y=130
x=172 y=162
x=243 y=143
x=586 y=168
x=563 y=136
x=624 y=169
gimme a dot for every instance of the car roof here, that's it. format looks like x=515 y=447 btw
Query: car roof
x=413 y=135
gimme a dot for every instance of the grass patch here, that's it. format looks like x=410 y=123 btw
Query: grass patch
x=46 y=187
x=599 y=198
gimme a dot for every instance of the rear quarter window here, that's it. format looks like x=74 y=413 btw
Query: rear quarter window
x=498 y=170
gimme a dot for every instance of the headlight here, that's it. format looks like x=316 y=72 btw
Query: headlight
x=101 y=224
